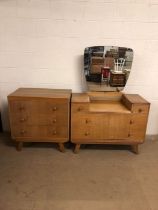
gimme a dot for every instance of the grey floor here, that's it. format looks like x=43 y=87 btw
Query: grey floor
x=98 y=178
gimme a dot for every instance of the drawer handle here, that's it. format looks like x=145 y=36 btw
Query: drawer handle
x=79 y=109
x=140 y=110
x=22 y=119
x=54 y=132
x=131 y=122
x=129 y=135
x=54 y=120
x=86 y=133
x=54 y=108
x=22 y=132
x=87 y=121
x=21 y=108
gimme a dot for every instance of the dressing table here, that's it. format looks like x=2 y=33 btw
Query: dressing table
x=107 y=115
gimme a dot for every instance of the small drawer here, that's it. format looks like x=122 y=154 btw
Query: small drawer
x=56 y=108
x=79 y=108
x=19 y=119
x=39 y=132
x=18 y=131
x=20 y=106
x=140 y=109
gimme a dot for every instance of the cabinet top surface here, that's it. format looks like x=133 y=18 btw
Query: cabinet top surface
x=41 y=93
x=136 y=99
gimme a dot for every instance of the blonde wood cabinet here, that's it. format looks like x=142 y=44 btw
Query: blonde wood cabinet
x=39 y=115
x=108 y=118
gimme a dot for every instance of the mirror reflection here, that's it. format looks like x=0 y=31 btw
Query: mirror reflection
x=107 y=68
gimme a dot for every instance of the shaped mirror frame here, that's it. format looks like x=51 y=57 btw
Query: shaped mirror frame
x=107 y=68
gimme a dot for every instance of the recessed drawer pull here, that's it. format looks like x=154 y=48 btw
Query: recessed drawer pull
x=86 y=133
x=140 y=110
x=131 y=122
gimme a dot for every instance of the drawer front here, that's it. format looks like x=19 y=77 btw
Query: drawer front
x=38 y=112
x=39 y=132
x=38 y=106
x=86 y=127
x=39 y=119
x=142 y=109
x=99 y=127
x=54 y=108
x=138 y=127
x=79 y=108
x=119 y=126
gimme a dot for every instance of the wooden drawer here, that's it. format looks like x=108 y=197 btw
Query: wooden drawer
x=39 y=132
x=54 y=108
x=22 y=106
x=138 y=127
x=86 y=127
x=38 y=106
x=143 y=108
x=100 y=126
x=39 y=119
x=79 y=108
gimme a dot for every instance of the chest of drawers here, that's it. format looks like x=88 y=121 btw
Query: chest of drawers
x=108 y=118
x=39 y=115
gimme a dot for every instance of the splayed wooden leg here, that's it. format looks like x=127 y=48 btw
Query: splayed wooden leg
x=135 y=148
x=77 y=148
x=19 y=146
x=61 y=147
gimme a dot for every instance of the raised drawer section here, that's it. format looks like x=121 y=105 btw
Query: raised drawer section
x=137 y=108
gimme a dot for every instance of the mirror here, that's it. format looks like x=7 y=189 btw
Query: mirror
x=107 y=68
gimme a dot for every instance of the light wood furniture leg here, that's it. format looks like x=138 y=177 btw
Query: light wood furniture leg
x=19 y=146
x=77 y=148
x=135 y=148
x=61 y=147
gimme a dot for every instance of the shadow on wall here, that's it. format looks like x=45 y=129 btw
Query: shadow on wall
x=81 y=81
x=5 y=116
x=1 y=129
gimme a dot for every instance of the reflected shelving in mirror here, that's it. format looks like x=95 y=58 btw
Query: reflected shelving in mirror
x=107 y=68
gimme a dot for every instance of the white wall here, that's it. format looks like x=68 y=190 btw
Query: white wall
x=42 y=44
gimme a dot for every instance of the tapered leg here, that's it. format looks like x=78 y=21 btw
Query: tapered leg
x=135 y=148
x=77 y=148
x=19 y=146
x=61 y=147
